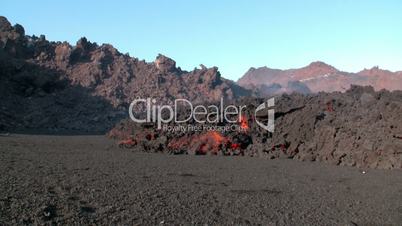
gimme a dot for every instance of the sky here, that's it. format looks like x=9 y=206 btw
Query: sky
x=233 y=35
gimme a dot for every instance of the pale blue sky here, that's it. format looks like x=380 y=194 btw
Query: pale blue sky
x=348 y=34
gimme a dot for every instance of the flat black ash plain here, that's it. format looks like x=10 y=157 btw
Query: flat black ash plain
x=89 y=180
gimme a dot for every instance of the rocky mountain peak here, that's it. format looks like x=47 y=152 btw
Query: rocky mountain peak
x=5 y=25
x=320 y=67
x=165 y=64
x=83 y=43
x=319 y=64
x=374 y=71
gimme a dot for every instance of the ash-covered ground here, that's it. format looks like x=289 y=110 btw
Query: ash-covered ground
x=70 y=180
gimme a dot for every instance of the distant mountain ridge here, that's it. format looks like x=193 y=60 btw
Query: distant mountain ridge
x=318 y=76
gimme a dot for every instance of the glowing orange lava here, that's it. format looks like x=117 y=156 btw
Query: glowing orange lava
x=210 y=142
x=243 y=123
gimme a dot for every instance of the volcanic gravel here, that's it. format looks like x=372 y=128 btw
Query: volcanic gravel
x=89 y=180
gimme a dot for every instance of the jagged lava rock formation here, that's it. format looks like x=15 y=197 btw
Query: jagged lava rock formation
x=53 y=85
x=359 y=127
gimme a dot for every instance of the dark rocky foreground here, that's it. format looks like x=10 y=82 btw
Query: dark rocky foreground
x=88 y=180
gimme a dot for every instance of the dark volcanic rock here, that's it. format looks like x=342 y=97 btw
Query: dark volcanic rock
x=359 y=128
x=165 y=64
x=87 y=87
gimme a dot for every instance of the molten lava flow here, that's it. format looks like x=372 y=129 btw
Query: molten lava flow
x=179 y=143
x=217 y=137
x=211 y=142
x=243 y=122
x=127 y=143
x=235 y=146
